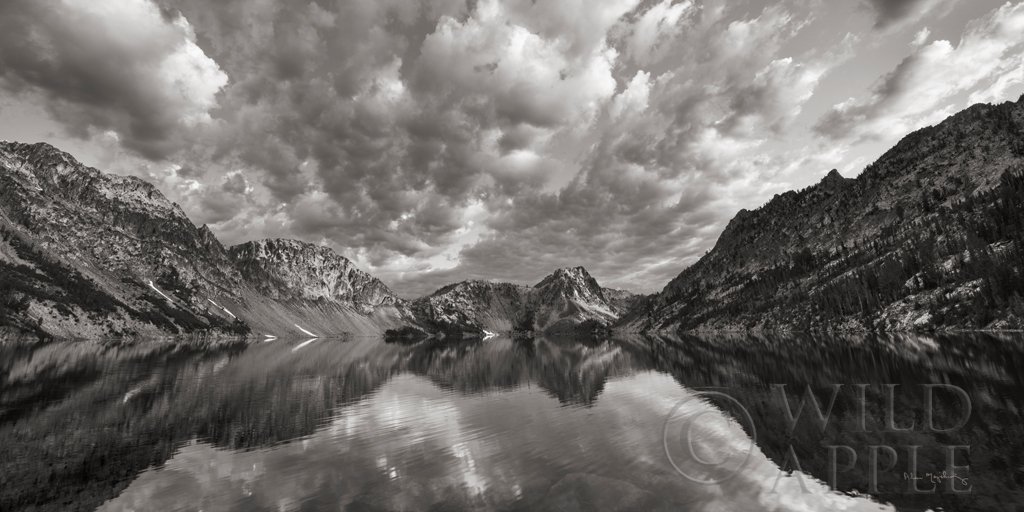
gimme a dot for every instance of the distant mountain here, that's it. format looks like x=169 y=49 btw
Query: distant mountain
x=929 y=236
x=569 y=298
x=89 y=254
x=567 y=301
x=474 y=307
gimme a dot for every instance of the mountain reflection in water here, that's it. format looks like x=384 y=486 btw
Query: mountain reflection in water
x=501 y=424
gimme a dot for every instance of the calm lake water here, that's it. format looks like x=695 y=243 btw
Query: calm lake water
x=693 y=424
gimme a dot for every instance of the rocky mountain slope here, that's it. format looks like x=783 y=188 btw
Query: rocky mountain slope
x=928 y=236
x=83 y=252
x=289 y=269
x=87 y=254
x=568 y=301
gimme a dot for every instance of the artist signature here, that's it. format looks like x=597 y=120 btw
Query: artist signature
x=936 y=478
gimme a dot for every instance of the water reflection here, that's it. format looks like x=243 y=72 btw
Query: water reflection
x=555 y=424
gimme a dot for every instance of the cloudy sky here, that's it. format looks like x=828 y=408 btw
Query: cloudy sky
x=442 y=140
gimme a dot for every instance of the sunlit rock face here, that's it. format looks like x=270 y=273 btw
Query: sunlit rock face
x=289 y=269
x=916 y=241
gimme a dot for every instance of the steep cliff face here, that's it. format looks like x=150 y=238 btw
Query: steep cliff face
x=568 y=301
x=927 y=236
x=289 y=269
x=89 y=254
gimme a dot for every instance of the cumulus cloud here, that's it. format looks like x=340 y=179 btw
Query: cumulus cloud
x=518 y=76
x=123 y=66
x=650 y=35
x=921 y=37
x=919 y=91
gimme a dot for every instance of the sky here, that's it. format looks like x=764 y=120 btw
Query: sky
x=442 y=140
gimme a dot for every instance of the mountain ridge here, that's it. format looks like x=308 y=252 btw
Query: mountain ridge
x=911 y=216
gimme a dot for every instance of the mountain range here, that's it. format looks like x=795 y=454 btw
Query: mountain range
x=89 y=254
x=927 y=237
x=568 y=301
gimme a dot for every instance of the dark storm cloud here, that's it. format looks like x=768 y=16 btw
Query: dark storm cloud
x=234 y=184
x=126 y=67
x=892 y=12
x=843 y=120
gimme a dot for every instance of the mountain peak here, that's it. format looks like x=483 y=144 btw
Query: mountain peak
x=38 y=158
x=292 y=246
x=33 y=148
x=832 y=181
x=572 y=281
x=577 y=272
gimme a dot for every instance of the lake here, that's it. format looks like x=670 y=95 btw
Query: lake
x=711 y=423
